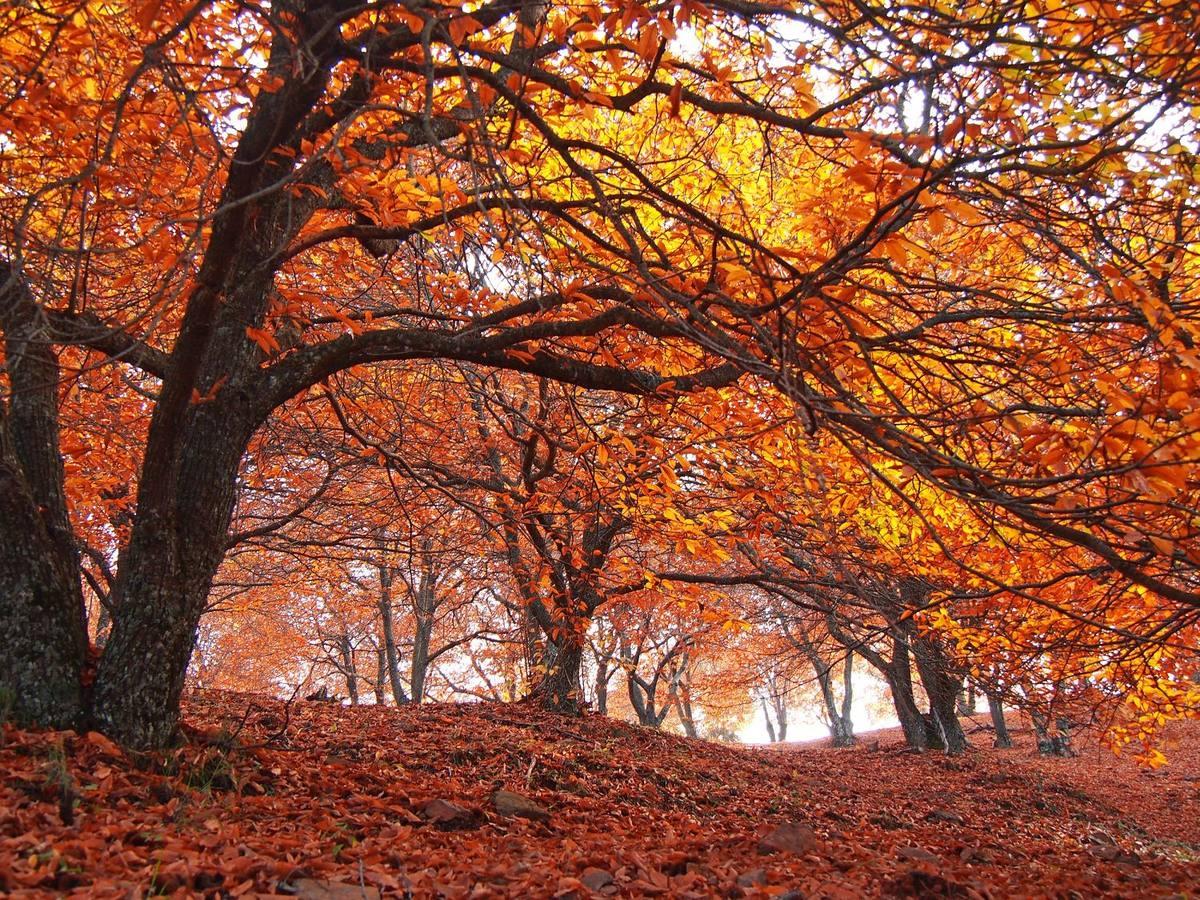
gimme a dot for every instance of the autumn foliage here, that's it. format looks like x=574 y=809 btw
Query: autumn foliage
x=317 y=799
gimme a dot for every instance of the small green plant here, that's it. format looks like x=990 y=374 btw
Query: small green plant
x=60 y=782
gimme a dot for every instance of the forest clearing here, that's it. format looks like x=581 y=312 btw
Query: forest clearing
x=320 y=800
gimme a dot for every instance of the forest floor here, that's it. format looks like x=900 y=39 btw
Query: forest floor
x=320 y=801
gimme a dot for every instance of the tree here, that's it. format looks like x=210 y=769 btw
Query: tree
x=199 y=275
x=963 y=263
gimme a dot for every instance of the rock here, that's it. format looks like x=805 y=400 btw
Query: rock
x=595 y=879
x=752 y=878
x=312 y=889
x=886 y=820
x=944 y=815
x=509 y=804
x=981 y=855
x=918 y=854
x=790 y=837
x=448 y=815
x=1113 y=853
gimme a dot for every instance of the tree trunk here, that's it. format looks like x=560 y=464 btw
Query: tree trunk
x=1057 y=744
x=349 y=672
x=843 y=732
x=601 y=686
x=767 y=718
x=389 y=636
x=380 y=675
x=942 y=688
x=425 y=607
x=966 y=699
x=165 y=574
x=841 y=729
x=1002 y=740
x=420 y=659
x=781 y=717
x=558 y=688
x=898 y=672
x=687 y=718
x=43 y=629
x=42 y=640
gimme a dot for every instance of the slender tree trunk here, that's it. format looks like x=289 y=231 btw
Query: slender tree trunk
x=380 y=674
x=1003 y=740
x=781 y=717
x=966 y=699
x=843 y=734
x=43 y=630
x=841 y=729
x=348 y=668
x=420 y=660
x=601 y=686
x=642 y=695
x=389 y=636
x=687 y=718
x=767 y=719
x=681 y=696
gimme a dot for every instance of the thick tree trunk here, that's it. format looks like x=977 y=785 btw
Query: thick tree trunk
x=898 y=672
x=42 y=641
x=1002 y=740
x=185 y=504
x=43 y=630
x=558 y=688
x=942 y=688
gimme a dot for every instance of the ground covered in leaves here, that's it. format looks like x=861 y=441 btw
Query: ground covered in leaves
x=321 y=801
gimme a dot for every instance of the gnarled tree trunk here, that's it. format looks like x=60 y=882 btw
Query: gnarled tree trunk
x=43 y=633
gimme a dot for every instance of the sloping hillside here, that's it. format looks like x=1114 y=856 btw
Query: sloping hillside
x=324 y=801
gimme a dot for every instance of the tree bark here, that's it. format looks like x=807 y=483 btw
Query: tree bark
x=1002 y=740
x=767 y=718
x=389 y=636
x=558 y=688
x=966 y=699
x=898 y=673
x=43 y=630
x=601 y=685
x=942 y=687
x=166 y=571
x=1056 y=744
x=380 y=674
x=423 y=612
x=349 y=670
